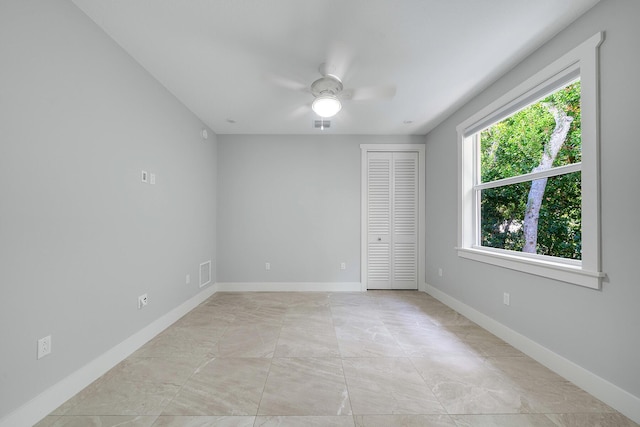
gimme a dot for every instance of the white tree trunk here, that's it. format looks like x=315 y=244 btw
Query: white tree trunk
x=536 y=193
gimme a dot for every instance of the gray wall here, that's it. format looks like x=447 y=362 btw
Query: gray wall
x=595 y=329
x=293 y=201
x=80 y=236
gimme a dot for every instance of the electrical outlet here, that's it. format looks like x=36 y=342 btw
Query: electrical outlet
x=187 y=279
x=343 y=266
x=143 y=300
x=440 y=272
x=267 y=266
x=144 y=176
x=152 y=178
x=44 y=346
x=506 y=298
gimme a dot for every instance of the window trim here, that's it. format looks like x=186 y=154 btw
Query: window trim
x=581 y=61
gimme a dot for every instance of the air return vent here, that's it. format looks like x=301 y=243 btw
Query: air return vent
x=321 y=124
x=205 y=273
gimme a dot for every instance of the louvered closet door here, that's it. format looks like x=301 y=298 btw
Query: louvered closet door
x=379 y=167
x=392 y=220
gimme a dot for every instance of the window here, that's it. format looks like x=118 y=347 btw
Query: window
x=529 y=175
x=528 y=180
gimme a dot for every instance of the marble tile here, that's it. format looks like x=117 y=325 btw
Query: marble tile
x=522 y=367
x=388 y=386
x=466 y=385
x=222 y=387
x=442 y=367
x=417 y=307
x=263 y=315
x=230 y=302
x=300 y=299
x=166 y=370
x=203 y=421
x=289 y=299
x=347 y=316
x=503 y=420
x=276 y=299
x=407 y=323
x=367 y=341
x=136 y=386
x=302 y=341
x=209 y=329
x=380 y=358
x=78 y=397
x=126 y=398
x=448 y=317
x=424 y=341
x=351 y=299
x=105 y=421
x=482 y=341
x=404 y=421
x=561 y=397
x=305 y=315
x=209 y=316
x=413 y=298
x=402 y=318
x=305 y=386
x=306 y=421
x=47 y=421
x=247 y=340
x=591 y=420
x=181 y=341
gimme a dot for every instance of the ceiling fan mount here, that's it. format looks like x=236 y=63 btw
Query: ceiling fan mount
x=326 y=85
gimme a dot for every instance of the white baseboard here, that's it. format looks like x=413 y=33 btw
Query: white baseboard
x=609 y=393
x=42 y=405
x=289 y=287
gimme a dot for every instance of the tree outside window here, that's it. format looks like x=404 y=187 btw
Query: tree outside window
x=542 y=213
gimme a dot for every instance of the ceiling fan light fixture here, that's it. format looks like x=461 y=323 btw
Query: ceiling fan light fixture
x=326 y=105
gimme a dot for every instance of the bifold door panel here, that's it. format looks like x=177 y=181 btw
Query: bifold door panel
x=392 y=220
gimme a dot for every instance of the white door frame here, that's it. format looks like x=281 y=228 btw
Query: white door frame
x=365 y=149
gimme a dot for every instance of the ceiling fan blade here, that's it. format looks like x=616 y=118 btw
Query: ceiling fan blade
x=370 y=93
x=300 y=111
x=339 y=59
x=286 y=82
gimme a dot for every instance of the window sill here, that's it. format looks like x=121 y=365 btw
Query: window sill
x=573 y=274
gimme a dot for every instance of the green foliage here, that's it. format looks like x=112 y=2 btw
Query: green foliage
x=514 y=147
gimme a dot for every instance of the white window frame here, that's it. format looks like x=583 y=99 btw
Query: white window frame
x=581 y=61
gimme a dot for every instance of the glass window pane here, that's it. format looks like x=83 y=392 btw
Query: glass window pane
x=503 y=217
x=515 y=145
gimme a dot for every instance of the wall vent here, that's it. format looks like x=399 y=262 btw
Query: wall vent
x=321 y=124
x=205 y=273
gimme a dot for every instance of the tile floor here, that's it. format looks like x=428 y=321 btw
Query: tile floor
x=380 y=358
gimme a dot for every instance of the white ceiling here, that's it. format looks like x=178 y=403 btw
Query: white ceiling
x=244 y=66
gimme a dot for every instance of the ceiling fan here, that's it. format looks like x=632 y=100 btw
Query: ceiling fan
x=329 y=91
